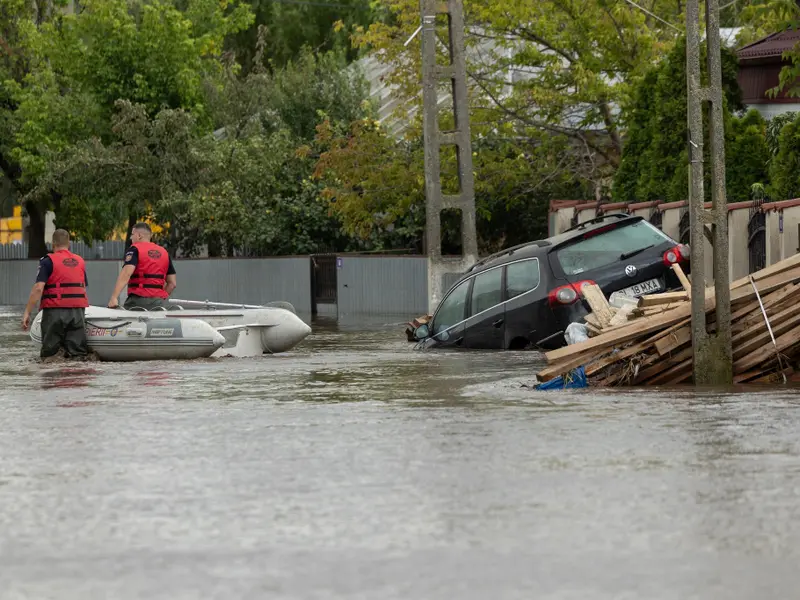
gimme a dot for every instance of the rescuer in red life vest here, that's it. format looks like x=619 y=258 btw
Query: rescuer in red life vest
x=61 y=286
x=148 y=273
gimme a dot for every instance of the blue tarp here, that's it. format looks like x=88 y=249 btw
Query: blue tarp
x=574 y=379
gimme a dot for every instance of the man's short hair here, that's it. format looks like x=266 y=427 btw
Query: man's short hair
x=143 y=226
x=61 y=238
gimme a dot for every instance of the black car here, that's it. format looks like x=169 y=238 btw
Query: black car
x=525 y=296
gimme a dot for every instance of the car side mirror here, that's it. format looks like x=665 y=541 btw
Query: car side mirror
x=421 y=332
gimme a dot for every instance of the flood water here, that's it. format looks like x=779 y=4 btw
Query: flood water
x=354 y=467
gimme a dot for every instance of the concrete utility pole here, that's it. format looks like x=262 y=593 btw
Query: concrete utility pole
x=432 y=75
x=712 y=360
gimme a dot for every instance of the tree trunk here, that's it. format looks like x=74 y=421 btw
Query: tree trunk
x=214 y=248
x=37 y=247
x=132 y=220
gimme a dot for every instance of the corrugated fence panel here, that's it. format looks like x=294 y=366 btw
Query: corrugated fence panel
x=16 y=281
x=247 y=280
x=104 y=250
x=102 y=276
x=382 y=285
x=13 y=251
x=17 y=278
x=250 y=281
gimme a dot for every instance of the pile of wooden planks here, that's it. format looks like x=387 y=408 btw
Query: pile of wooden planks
x=649 y=342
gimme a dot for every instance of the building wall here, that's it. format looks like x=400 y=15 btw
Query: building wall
x=774 y=239
x=739 y=255
x=783 y=237
x=670 y=223
x=560 y=220
x=644 y=212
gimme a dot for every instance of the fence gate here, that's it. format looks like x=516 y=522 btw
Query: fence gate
x=757 y=238
x=323 y=280
x=656 y=218
x=685 y=228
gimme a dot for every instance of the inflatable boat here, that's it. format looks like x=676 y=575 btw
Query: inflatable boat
x=140 y=337
x=183 y=332
x=249 y=330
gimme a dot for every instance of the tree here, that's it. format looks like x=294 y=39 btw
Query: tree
x=747 y=155
x=79 y=65
x=375 y=184
x=784 y=168
x=655 y=159
x=574 y=65
x=292 y=26
x=239 y=184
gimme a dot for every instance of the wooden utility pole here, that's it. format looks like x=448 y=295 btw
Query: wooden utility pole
x=713 y=360
x=432 y=75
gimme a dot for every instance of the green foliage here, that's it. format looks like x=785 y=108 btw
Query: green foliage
x=242 y=189
x=375 y=184
x=746 y=155
x=784 y=169
x=315 y=84
x=292 y=26
x=654 y=162
x=574 y=63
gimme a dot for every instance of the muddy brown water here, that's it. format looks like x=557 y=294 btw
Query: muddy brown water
x=354 y=467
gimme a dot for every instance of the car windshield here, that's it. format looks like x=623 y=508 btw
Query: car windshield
x=606 y=248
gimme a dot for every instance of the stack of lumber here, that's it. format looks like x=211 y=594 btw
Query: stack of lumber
x=649 y=342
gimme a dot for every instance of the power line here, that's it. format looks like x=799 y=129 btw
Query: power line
x=667 y=23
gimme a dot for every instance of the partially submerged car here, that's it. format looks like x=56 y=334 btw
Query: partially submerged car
x=526 y=296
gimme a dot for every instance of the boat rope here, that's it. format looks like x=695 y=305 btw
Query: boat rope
x=104 y=327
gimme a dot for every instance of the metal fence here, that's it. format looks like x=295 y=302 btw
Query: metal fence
x=251 y=281
x=382 y=285
x=97 y=250
x=365 y=285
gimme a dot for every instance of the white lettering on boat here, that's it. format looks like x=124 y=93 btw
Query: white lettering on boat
x=166 y=332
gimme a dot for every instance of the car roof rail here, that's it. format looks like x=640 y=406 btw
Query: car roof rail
x=599 y=219
x=507 y=252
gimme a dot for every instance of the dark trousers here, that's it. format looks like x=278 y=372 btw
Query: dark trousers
x=64 y=328
x=146 y=303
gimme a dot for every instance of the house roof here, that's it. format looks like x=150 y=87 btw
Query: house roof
x=771 y=46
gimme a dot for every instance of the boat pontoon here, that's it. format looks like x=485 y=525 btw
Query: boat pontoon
x=226 y=329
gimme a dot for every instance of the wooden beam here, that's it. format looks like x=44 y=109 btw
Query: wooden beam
x=598 y=303
x=676 y=268
x=778 y=267
x=653 y=324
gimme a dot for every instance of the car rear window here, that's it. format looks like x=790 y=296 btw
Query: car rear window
x=603 y=249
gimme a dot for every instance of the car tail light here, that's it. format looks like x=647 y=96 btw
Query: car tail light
x=677 y=254
x=567 y=294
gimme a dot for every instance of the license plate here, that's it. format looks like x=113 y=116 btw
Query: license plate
x=651 y=286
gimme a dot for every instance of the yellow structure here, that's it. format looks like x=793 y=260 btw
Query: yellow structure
x=11 y=227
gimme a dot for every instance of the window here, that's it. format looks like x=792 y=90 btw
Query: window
x=605 y=248
x=487 y=291
x=451 y=310
x=521 y=277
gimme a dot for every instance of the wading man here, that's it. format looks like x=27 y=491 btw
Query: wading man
x=148 y=273
x=61 y=286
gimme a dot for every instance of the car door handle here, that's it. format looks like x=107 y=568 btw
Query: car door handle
x=499 y=322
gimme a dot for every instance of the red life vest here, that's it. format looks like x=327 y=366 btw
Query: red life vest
x=66 y=286
x=150 y=275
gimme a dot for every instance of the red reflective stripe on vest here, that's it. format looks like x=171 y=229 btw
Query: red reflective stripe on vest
x=65 y=288
x=150 y=275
